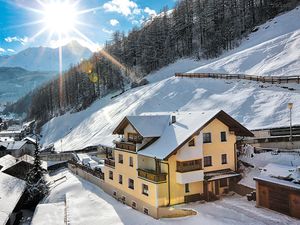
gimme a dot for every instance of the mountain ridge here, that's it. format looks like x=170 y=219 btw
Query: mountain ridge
x=46 y=58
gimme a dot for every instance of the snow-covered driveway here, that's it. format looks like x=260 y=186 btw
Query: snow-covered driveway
x=87 y=204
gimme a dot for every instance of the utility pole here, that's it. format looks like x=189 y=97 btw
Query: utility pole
x=290 y=106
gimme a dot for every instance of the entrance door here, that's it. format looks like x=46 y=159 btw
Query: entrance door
x=217 y=191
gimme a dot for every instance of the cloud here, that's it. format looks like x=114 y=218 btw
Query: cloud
x=150 y=12
x=11 y=50
x=107 y=31
x=124 y=7
x=114 y=22
x=2 y=50
x=23 y=40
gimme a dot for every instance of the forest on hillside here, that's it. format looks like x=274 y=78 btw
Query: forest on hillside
x=194 y=28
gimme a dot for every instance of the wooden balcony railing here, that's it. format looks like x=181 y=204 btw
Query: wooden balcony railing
x=152 y=176
x=126 y=146
x=188 y=166
x=110 y=162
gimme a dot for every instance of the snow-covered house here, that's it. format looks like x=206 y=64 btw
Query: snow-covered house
x=16 y=148
x=165 y=159
x=278 y=188
x=11 y=193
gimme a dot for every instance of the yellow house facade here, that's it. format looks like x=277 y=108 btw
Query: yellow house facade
x=161 y=160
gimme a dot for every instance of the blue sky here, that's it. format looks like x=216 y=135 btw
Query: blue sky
x=22 y=20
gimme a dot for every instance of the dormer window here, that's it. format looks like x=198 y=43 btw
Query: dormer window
x=134 y=138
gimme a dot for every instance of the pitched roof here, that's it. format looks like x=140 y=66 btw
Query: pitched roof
x=145 y=125
x=186 y=126
x=13 y=145
x=7 y=161
x=11 y=190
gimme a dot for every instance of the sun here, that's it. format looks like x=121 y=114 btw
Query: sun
x=60 y=16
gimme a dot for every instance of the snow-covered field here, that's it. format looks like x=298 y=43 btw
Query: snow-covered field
x=273 y=49
x=96 y=207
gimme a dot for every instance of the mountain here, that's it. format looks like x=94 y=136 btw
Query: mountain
x=46 y=59
x=15 y=82
x=272 y=50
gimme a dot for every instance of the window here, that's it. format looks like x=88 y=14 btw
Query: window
x=123 y=199
x=223 y=136
x=121 y=158
x=206 y=137
x=133 y=204
x=192 y=143
x=114 y=193
x=223 y=182
x=145 y=189
x=146 y=211
x=134 y=138
x=131 y=184
x=187 y=188
x=120 y=179
x=111 y=175
x=224 y=158
x=130 y=161
x=207 y=161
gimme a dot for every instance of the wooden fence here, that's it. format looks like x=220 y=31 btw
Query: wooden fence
x=264 y=79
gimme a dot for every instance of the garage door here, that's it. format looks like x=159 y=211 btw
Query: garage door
x=279 y=199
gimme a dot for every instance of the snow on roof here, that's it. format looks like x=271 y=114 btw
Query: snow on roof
x=13 y=145
x=11 y=132
x=149 y=125
x=29 y=139
x=187 y=123
x=11 y=190
x=278 y=181
x=6 y=139
x=7 y=161
x=49 y=214
x=278 y=170
x=30 y=159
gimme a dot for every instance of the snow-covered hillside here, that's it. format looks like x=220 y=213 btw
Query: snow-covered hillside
x=253 y=104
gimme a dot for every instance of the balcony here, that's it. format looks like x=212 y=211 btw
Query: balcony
x=126 y=146
x=189 y=171
x=110 y=163
x=188 y=166
x=152 y=176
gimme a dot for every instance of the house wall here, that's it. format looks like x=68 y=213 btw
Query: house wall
x=187 y=152
x=131 y=172
x=217 y=148
x=177 y=190
x=129 y=129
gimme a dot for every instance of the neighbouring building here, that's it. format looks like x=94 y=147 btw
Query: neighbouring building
x=17 y=135
x=166 y=159
x=16 y=148
x=278 y=188
x=11 y=197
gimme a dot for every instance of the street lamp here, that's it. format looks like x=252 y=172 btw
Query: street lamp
x=290 y=106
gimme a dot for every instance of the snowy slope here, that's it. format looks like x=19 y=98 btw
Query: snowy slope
x=249 y=102
x=273 y=50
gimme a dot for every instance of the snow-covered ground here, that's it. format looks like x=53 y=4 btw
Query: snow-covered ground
x=273 y=49
x=96 y=207
x=263 y=159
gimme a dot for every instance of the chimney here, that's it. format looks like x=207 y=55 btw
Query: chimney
x=173 y=119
